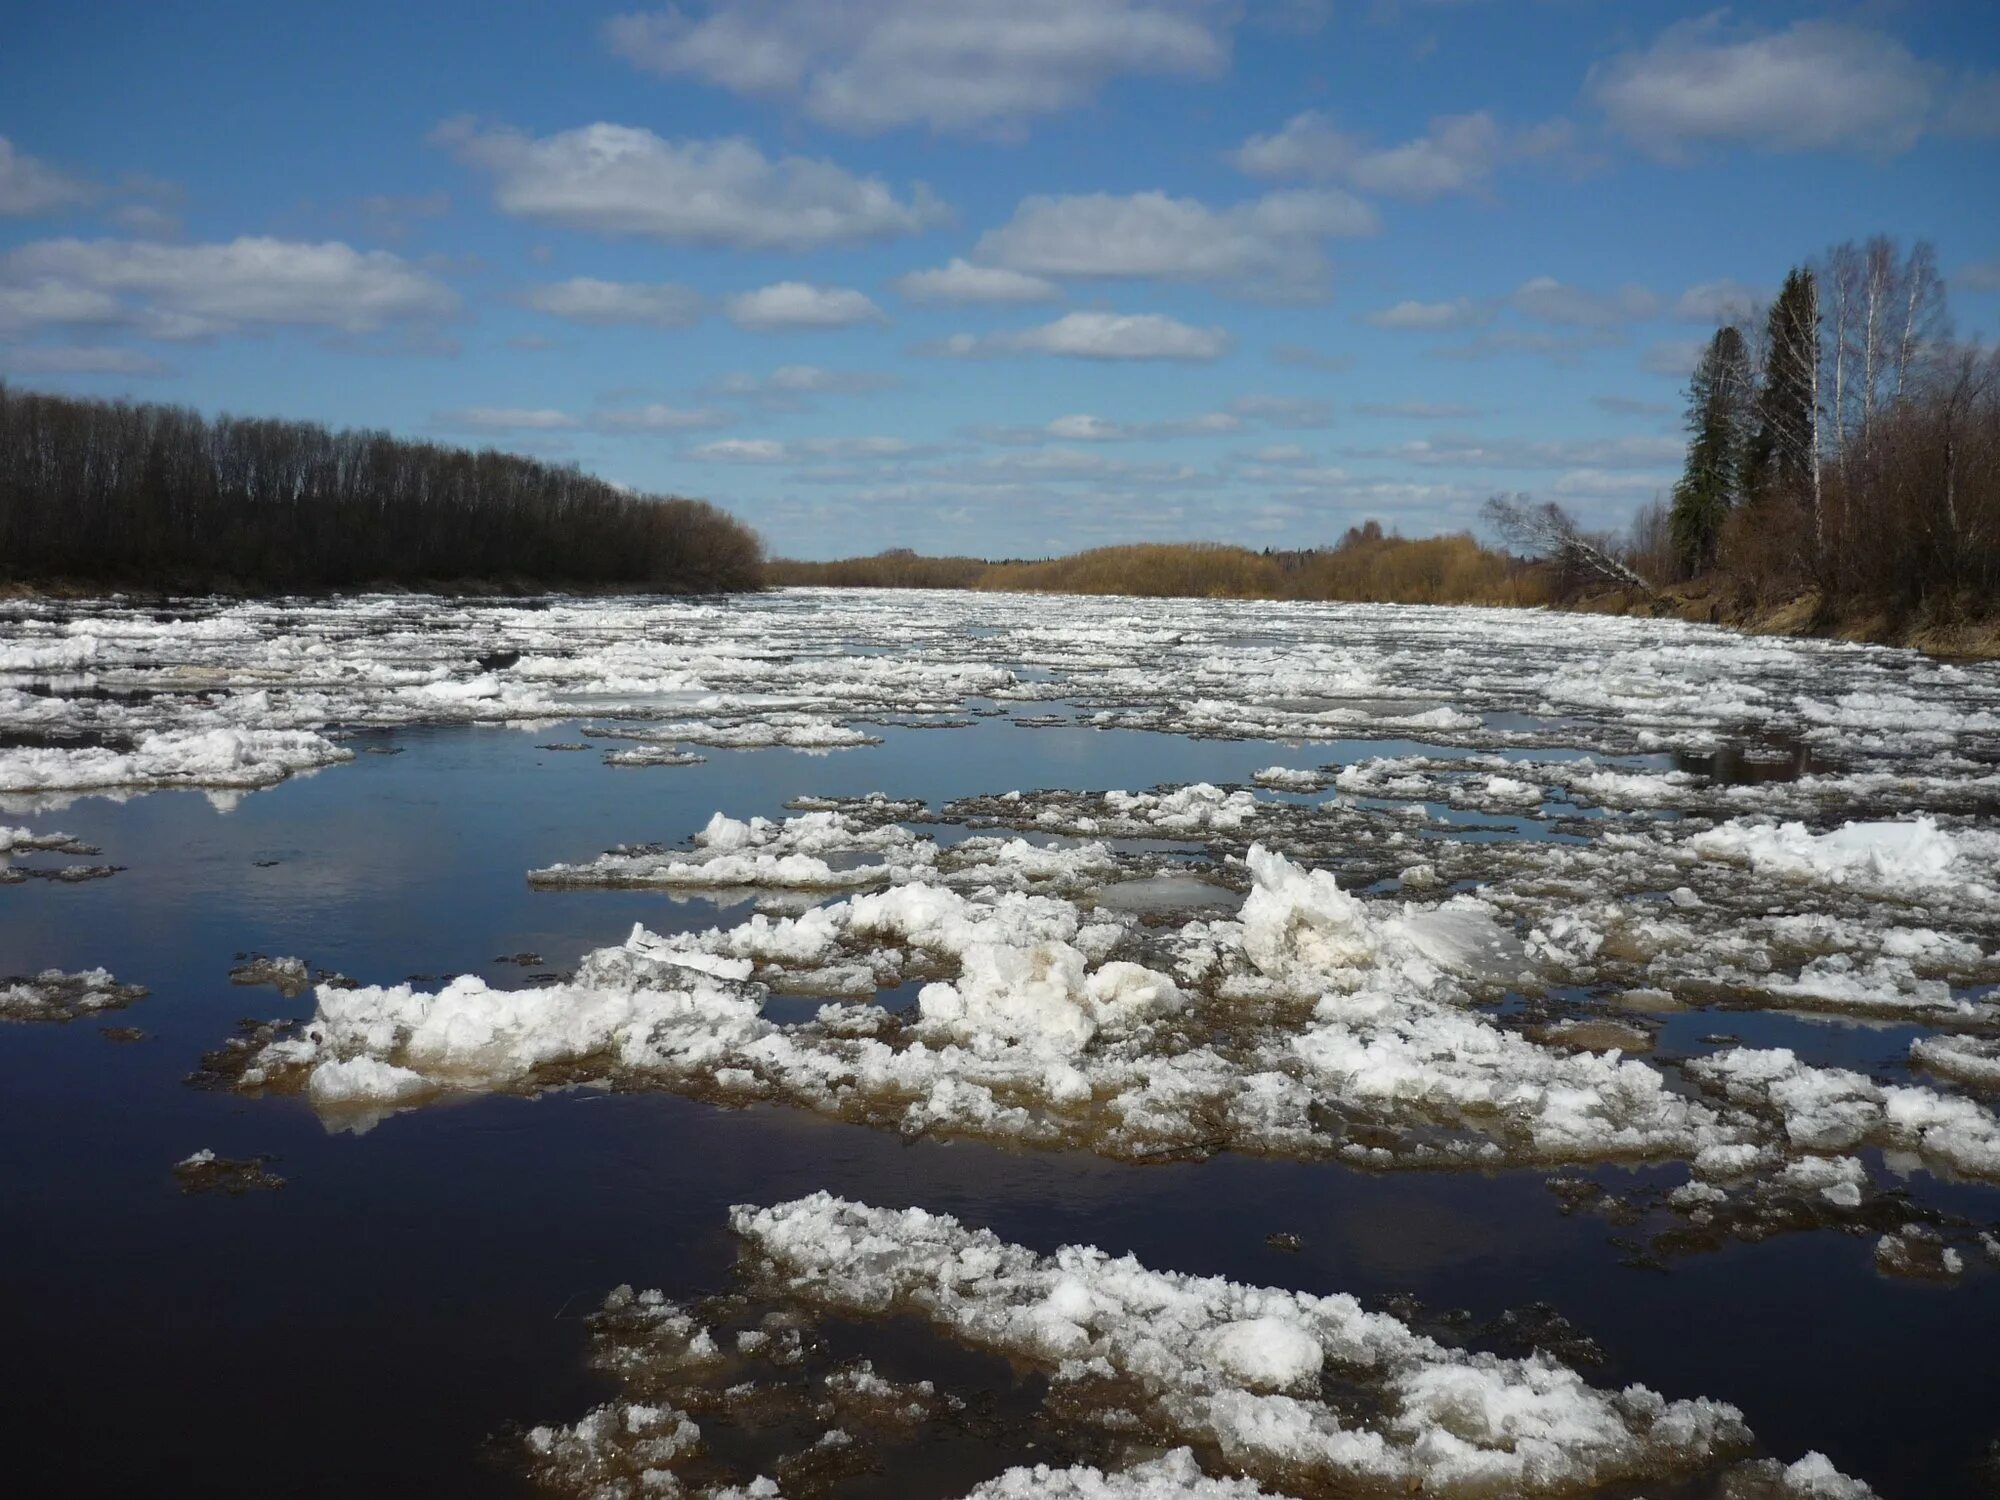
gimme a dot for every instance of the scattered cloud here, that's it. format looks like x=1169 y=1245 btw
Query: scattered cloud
x=504 y=419
x=1456 y=154
x=1098 y=335
x=622 y=180
x=1271 y=244
x=1461 y=312
x=1551 y=301
x=1085 y=428
x=658 y=418
x=961 y=281
x=1418 y=411
x=954 y=65
x=787 y=305
x=1815 y=86
x=1978 y=275
x=1302 y=357
x=78 y=359
x=740 y=451
x=1628 y=406
x=1460 y=452
x=1725 y=300
x=584 y=299
x=1675 y=357
x=1284 y=411
x=192 y=291
x=1558 y=348
x=30 y=187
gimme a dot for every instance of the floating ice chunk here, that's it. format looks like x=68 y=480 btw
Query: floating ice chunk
x=1214 y=1362
x=1963 y=1059
x=53 y=995
x=1173 y=1474
x=1885 y=858
x=206 y=758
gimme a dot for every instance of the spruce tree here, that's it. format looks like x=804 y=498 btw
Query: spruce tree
x=1712 y=485
x=1785 y=452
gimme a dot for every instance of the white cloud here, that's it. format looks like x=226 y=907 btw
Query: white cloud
x=505 y=419
x=29 y=187
x=1100 y=335
x=189 y=291
x=1461 y=312
x=798 y=304
x=1456 y=154
x=584 y=299
x=78 y=359
x=741 y=451
x=618 y=179
x=1979 y=275
x=1553 y=301
x=870 y=65
x=961 y=281
x=658 y=418
x=1271 y=243
x=1818 y=85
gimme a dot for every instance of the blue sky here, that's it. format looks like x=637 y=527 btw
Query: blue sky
x=1002 y=278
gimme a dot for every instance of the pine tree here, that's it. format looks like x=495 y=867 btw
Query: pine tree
x=1712 y=485
x=1785 y=452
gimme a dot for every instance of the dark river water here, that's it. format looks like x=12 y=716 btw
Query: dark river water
x=413 y=1290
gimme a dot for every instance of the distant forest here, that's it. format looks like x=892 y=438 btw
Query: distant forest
x=105 y=493
x=1843 y=459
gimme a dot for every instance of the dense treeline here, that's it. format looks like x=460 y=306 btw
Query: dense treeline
x=898 y=568
x=1842 y=442
x=1367 y=566
x=158 y=496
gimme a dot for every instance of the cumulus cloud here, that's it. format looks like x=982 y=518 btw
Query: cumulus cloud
x=1553 y=301
x=585 y=299
x=788 y=305
x=29 y=186
x=618 y=179
x=190 y=291
x=961 y=281
x=1269 y=244
x=1818 y=85
x=1099 y=335
x=1461 y=312
x=954 y=65
x=1455 y=154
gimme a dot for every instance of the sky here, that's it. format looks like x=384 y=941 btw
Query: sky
x=1007 y=279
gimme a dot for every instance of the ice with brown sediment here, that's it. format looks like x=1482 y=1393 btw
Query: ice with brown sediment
x=1139 y=1359
x=53 y=995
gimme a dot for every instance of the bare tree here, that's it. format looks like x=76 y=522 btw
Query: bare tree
x=1547 y=530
